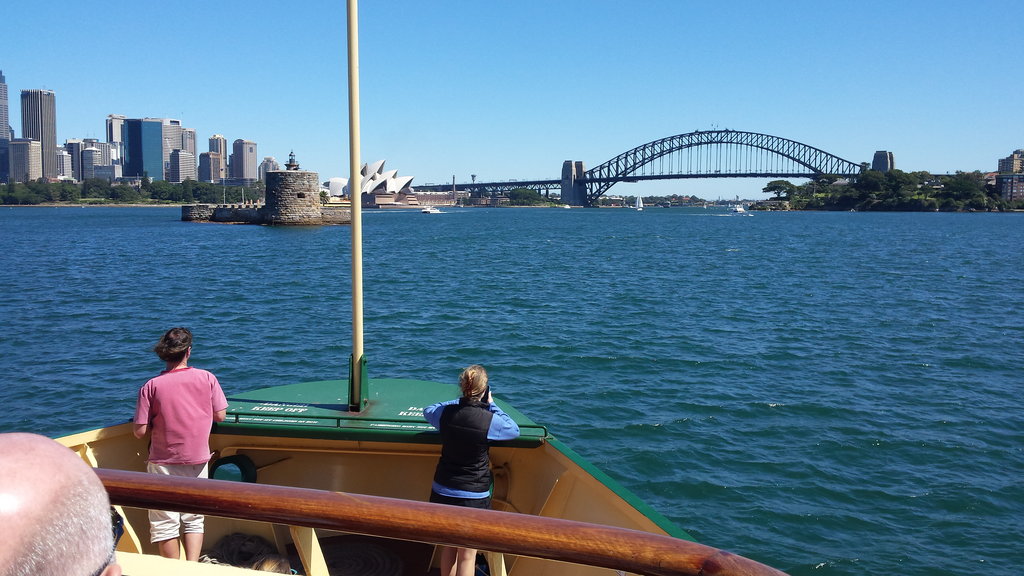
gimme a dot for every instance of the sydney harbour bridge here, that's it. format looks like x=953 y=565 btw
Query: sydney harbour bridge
x=701 y=154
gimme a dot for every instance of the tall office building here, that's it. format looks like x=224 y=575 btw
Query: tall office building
x=26 y=160
x=39 y=122
x=115 y=129
x=5 y=129
x=269 y=164
x=183 y=167
x=65 y=169
x=74 y=147
x=219 y=145
x=143 y=148
x=5 y=118
x=211 y=167
x=243 y=160
x=172 y=141
x=89 y=159
x=188 y=141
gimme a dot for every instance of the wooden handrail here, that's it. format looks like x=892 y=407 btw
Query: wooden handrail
x=519 y=534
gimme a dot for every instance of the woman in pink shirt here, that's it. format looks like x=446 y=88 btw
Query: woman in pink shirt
x=178 y=408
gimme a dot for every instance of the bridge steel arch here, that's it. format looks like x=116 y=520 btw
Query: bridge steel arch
x=715 y=154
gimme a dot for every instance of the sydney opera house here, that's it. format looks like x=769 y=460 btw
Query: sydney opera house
x=380 y=188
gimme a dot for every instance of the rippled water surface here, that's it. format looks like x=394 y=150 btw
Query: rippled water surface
x=828 y=393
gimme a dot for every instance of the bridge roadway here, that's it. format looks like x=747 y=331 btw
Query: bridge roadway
x=701 y=154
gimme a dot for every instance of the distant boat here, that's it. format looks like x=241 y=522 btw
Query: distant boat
x=639 y=204
x=737 y=208
x=431 y=210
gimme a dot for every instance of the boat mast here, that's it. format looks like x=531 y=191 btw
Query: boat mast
x=357 y=397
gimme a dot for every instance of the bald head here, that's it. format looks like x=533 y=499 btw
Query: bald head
x=54 y=511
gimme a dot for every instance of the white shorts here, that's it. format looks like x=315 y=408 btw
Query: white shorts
x=165 y=525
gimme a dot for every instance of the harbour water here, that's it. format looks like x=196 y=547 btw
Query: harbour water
x=827 y=393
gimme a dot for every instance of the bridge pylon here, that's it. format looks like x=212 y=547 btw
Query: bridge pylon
x=574 y=189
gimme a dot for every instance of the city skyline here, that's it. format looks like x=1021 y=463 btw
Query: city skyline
x=444 y=94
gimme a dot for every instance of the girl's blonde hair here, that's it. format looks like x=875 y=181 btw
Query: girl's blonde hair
x=473 y=381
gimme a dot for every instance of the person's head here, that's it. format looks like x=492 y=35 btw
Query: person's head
x=54 y=511
x=273 y=563
x=473 y=382
x=174 y=345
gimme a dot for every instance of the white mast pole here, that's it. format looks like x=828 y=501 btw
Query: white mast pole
x=355 y=186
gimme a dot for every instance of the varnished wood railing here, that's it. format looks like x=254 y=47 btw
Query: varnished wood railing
x=519 y=534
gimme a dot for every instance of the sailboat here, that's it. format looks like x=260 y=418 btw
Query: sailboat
x=639 y=204
x=337 y=473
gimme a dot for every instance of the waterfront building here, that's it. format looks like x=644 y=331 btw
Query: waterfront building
x=883 y=161
x=143 y=148
x=39 y=122
x=1010 y=186
x=1012 y=164
x=26 y=160
x=182 y=167
x=243 y=160
x=108 y=173
x=269 y=163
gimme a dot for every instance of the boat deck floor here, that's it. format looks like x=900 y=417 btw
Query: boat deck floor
x=356 y=555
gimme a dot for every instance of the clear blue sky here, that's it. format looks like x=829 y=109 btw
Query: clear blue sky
x=508 y=90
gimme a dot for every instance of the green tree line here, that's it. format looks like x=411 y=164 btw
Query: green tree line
x=894 y=191
x=100 y=191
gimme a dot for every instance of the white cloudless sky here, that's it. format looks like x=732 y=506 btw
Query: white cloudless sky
x=509 y=90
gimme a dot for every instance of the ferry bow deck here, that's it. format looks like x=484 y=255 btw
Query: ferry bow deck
x=303 y=436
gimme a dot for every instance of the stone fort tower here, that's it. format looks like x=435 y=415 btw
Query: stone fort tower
x=293 y=196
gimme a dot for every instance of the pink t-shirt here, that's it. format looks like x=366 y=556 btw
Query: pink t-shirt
x=178 y=406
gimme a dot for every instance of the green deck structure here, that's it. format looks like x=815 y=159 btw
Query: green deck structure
x=319 y=409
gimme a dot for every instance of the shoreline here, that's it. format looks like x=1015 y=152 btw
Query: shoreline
x=71 y=205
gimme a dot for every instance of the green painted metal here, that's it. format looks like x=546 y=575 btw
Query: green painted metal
x=393 y=412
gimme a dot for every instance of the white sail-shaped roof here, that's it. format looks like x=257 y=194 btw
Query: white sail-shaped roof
x=376 y=181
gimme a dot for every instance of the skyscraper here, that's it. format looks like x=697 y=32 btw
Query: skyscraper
x=5 y=129
x=115 y=129
x=143 y=148
x=243 y=160
x=39 y=122
x=26 y=160
x=5 y=119
x=219 y=145
x=183 y=167
x=269 y=163
x=211 y=167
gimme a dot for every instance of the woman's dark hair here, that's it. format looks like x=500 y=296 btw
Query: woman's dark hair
x=174 y=345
